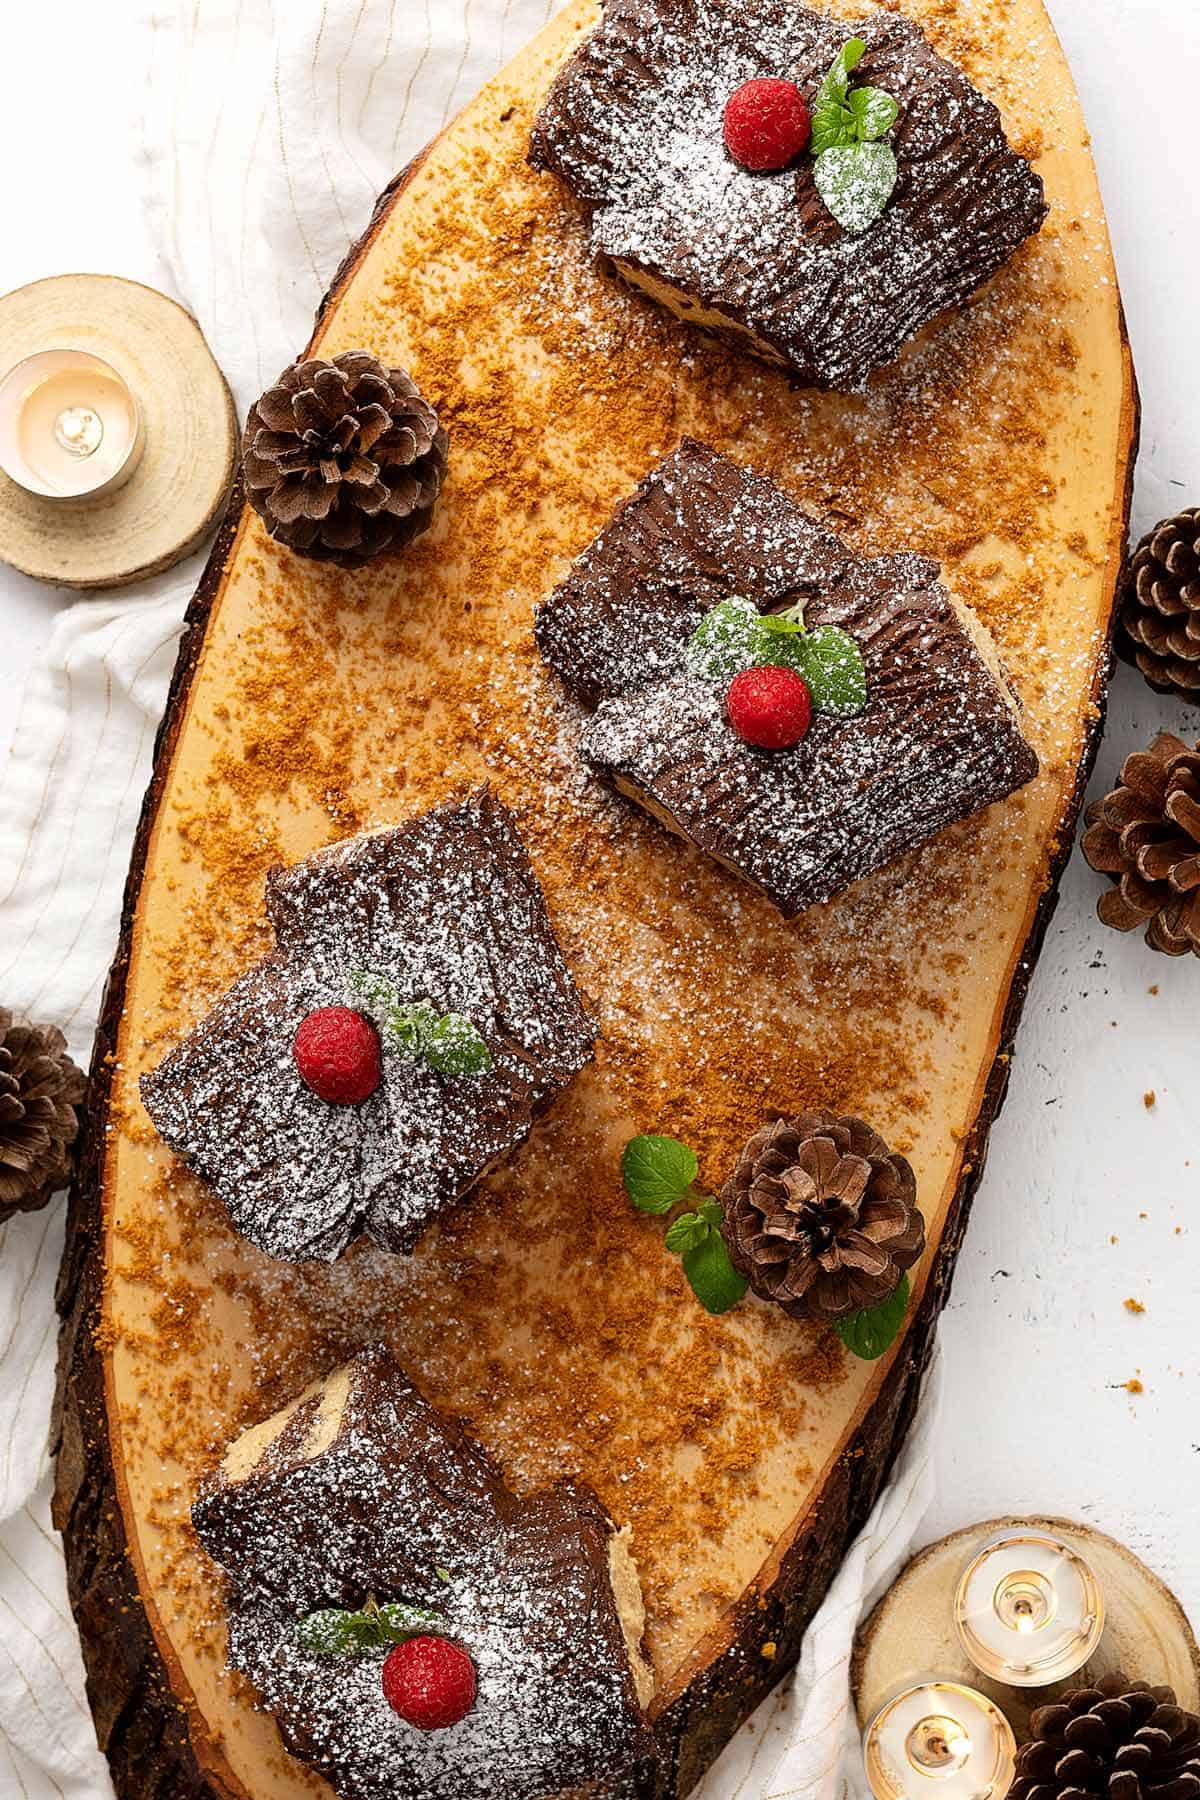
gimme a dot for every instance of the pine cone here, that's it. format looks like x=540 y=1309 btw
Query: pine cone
x=821 y=1217
x=1159 y=622
x=40 y=1089
x=1120 y=1740
x=344 y=459
x=1145 y=835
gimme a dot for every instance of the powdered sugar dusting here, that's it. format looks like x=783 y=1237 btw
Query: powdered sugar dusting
x=937 y=741
x=446 y=909
x=634 y=127
x=401 y=1506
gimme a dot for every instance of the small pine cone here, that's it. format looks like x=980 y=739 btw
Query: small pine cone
x=821 y=1217
x=1119 y=1740
x=1145 y=836
x=344 y=460
x=1159 y=621
x=40 y=1092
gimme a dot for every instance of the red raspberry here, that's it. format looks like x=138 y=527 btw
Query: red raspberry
x=337 y=1054
x=767 y=124
x=770 y=707
x=430 y=1682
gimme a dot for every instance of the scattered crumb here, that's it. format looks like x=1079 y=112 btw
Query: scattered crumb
x=1134 y=1386
x=1134 y=1306
x=1114 y=1239
x=1143 y=1215
x=768 y=1650
x=1153 y=990
x=1149 y=1098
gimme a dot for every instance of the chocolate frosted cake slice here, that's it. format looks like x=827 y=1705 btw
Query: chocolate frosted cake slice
x=414 y=1018
x=634 y=125
x=359 y=1517
x=933 y=737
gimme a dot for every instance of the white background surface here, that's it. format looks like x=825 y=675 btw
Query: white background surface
x=1038 y=1341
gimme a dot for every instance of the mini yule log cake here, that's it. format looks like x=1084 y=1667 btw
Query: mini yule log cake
x=901 y=724
x=414 y=1018
x=414 y=1628
x=760 y=175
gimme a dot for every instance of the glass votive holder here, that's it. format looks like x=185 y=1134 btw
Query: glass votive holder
x=69 y=425
x=1028 y=1609
x=939 y=1740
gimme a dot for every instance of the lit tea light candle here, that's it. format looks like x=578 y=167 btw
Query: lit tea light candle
x=1028 y=1610
x=69 y=425
x=940 y=1741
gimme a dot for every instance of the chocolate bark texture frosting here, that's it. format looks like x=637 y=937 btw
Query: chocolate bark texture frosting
x=445 y=908
x=633 y=126
x=360 y=1490
x=939 y=739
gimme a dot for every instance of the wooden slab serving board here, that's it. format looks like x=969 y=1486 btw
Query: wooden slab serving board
x=743 y=1452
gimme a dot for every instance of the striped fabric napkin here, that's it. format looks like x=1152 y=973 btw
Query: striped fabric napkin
x=270 y=130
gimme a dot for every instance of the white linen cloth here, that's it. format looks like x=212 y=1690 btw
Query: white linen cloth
x=270 y=130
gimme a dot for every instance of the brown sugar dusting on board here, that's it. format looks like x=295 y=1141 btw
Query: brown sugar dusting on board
x=355 y=700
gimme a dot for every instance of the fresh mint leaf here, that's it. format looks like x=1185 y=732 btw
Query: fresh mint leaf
x=874 y=113
x=453 y=1046
x=334 y=1631
x=856 y=182
x=833 y=89
x=657 y=1172
x=712 y=1212
x=725 y=640
x=715 y=1282
x=784 y=624
x=869 y=1333
x=844 y=117
x=448 y=1043
x=832 y=124
x=688 y=1230
x=832 y=666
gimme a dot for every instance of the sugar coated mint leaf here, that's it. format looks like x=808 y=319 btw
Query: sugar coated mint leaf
x=856 y=181
x=724 y=641
x=832 y=665
x=374 y=993
x=411 y=1025
x=869 y=1333
x=833 y=88
x=715 y=1282
x=688 y=1230
x=874 y=113
x=400 y=1620
x=453 y=1046
x=327 y=1633
x=657 y=1172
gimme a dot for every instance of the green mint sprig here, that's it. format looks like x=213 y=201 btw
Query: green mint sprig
x=734 y=635
x=867 y=1334
x=659 y=1174
x=336 y=1632
x=446 y=1042
x=855 y=173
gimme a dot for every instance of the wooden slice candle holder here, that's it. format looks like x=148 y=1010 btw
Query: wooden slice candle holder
x=171 y=500
x=911 y=1632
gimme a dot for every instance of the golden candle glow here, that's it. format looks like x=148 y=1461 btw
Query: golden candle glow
x=69 y=425
x=1029 y=1610
x=939 y=1741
